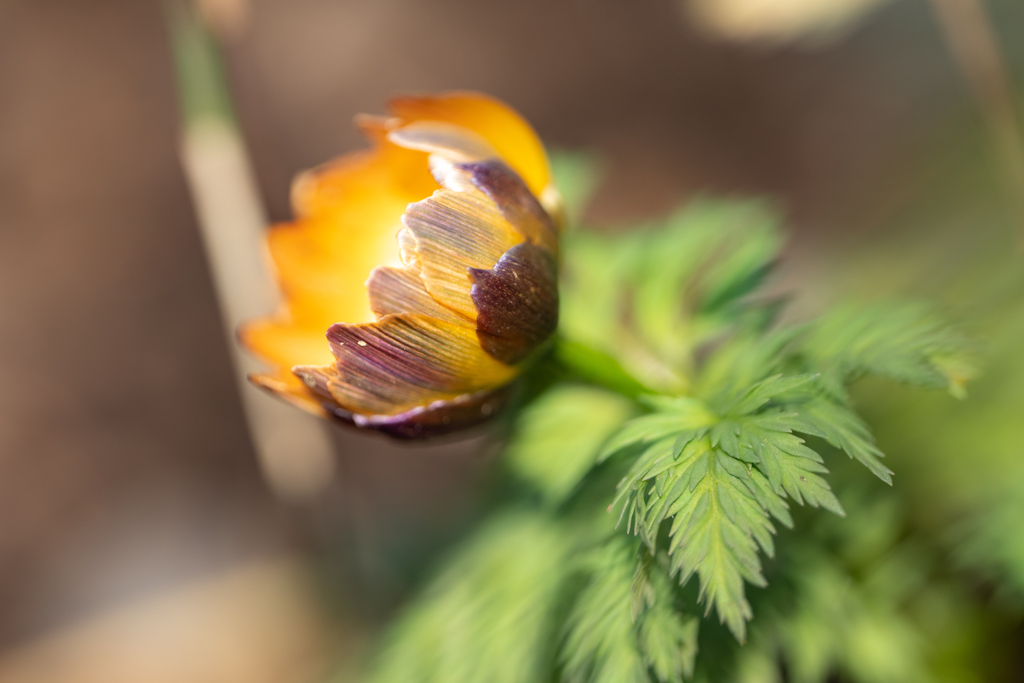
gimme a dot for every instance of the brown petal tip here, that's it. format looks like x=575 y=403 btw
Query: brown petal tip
x=437 y=419
x=516 y=302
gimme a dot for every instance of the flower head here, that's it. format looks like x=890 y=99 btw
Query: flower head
x=427 y=261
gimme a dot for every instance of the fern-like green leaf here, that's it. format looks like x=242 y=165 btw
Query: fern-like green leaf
x=720 y=477
x=600 y=645
x=843 y=429
x=489 y=615
x=666 y=634
x=624 y=626
x=902 y=341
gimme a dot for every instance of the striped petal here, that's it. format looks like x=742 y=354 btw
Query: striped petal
x=450 y=233
x=402 y=362
x=506 y=190
x=401 y=290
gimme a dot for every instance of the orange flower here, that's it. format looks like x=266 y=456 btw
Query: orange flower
x=427 y=261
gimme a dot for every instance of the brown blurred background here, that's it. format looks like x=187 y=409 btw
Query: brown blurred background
x=125 y=464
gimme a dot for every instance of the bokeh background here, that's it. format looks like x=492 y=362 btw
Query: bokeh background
x=136 y=530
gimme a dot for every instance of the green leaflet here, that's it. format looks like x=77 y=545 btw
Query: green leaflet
x=489 y=615
x=899 y=340
x=652 y=297
x=558 y=436
x=684 y=414
x=624 y=626
x=723 y=462
x=843 y=429
x=722 y=470
x=720 y=479
x=864 y=603
x=667 y=635
x=600 y=643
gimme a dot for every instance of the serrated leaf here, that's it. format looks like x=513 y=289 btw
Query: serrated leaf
x=721 y=484
x=759 y=394
x=489 y=615
x=842 y=428
x=717 y=528
x=600 y=644
x=675 y=415
x=716 y=554
x=625 y=622
x=642 y=592
x=669 y=643
x=667 y=636
x=698 y=471
x=904 y=341
x=725 y=436
x=791 y=467
x=640 y=432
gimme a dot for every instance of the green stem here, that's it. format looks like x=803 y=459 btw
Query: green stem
x=596 y=367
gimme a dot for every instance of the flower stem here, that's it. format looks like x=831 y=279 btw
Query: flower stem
x=596 y=367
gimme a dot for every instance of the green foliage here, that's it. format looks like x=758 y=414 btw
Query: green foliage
x=624 y=626
x=560 y=434
x=718 y=464
x=721 y=468
x=720 y=471
x=980 y=541
x=864 y=602
x=714 y=420
x=842 y=429
x=963 y=461
x=489 y=615
x=600 y=643
x=576 y=175
x=903 y=341
x=679 y=285
x=840 y=622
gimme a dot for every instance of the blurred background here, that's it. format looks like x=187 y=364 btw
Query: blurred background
x=139 y=539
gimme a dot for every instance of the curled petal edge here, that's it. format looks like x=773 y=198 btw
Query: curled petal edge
x=433 y=420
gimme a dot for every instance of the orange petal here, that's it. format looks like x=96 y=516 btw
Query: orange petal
x=447 y=139
x=498 y=123
x=349 y=214
x=361 y=215
x=291 y=389
x=284 y=344
x=463 y=161
x=506 y=190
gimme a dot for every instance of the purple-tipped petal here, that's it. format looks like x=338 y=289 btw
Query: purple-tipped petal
x=516 y=302
x=401 y=362
x=508 y=191
x=450 y=232
x=436 y=419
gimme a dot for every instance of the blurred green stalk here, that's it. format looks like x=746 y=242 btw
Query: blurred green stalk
x=975 y=47
x=294 y=449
